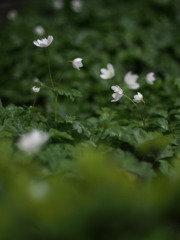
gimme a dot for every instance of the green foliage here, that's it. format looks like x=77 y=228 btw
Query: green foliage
x=109 y=170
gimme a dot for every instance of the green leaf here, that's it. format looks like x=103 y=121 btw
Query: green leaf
x=54 y=133
x=159 y=122
x=70 y=93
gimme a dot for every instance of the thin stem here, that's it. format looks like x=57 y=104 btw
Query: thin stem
x=60 y=79
x=34 y=102
x=52 y=83
x=129 y=99
x=143 y=120
x=49 y=68
x=55 y=107
x=143 y=115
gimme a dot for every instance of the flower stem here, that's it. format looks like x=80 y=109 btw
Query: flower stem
x=55 y=107
x=52 y=83
x=143 y=115
x=34 y=102
x=49 y=68
x=144 y=121
x=129 y=99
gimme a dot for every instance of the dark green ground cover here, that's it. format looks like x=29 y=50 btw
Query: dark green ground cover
x=109 y=175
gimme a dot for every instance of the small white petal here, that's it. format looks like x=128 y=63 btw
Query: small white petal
x=107 y=73
x=36 y=43
x=58 y=4
x=36 y=79
x=39 y=30
x=138 y=98
x=35 y=89
x=150 y=78
x=117 y=89
x=77 y=63
x=104 y=71
x=76 y=5
x=12 y=14
x=116 y=97
x=45 y=42
x=111 y=69
x=133 y=86
x=118 y=93
x=131 y=80
x=49 y=40
x=103 y=76
x=31 y=142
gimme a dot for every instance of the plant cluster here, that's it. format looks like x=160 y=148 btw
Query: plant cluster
x=76 y=162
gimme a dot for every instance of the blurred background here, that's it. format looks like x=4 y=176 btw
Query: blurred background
x=103 y=175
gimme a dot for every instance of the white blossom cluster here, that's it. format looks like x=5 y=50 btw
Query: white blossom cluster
x=130 y=80
x=31 y=142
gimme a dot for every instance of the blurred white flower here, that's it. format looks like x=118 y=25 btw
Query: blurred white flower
x=150 y=78
x=35 y=89
x=118 y=93
x=32 y=142
x=76 y=5
x=58 y=4
x=45 y=42
x=138 y=98
x=38 y=189
x=36 y=79
x=107 y=73
x=77 y=63
x=12 y=14
x=39 y=30
x=131 y=80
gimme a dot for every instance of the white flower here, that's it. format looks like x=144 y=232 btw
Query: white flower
x=58 y=4
x=118 y=93
x=36 y=79
x=150 y=78
x=76 y=5
x=39 y=30
x=131 y=80
x=12 y=14
x=32 y=142
x=138 y=98
x=35 y=89
x=77 y=63
x=45 y=42
x=107 y=73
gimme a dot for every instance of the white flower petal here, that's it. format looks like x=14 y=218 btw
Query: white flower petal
x=131 y=80
x=39 y=30
x=77 y=63
x=49 y=40
x=117 y=89
x=12 y=14
x=31 y=142
x=150 y=78
x=133 y=86
x=58 y=4
x=35 y=89
x=107 y=73
x=104 y=71
x=45 y=42
x=138 y=98
x=118 y=93
x=76 y=5
x=36 y=43
x=103 y=76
